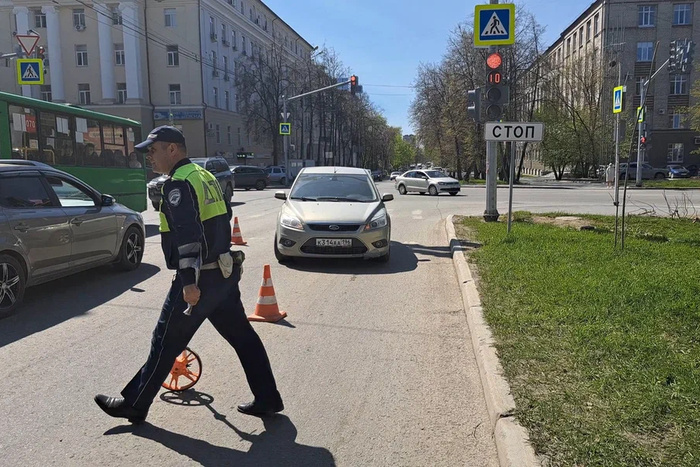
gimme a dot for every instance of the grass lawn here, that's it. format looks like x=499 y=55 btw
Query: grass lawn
x=601 y=347
x=675 y=183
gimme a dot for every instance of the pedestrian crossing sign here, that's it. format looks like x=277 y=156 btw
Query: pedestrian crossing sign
x=30 y=71
x=617 y=99
x=494 y=24
x=285 y=128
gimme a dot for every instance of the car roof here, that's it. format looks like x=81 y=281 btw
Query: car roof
x=335 y=170
x=26 y=163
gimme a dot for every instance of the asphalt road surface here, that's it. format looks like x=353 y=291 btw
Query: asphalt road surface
x=373 y=362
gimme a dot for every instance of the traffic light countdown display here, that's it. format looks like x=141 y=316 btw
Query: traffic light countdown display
x=496 y=92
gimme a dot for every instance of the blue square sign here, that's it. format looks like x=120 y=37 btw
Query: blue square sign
x=494 y=25
x=30 y=71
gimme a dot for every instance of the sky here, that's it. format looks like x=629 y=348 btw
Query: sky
x=384 y=41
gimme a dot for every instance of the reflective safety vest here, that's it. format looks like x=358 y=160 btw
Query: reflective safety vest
x=210 y=198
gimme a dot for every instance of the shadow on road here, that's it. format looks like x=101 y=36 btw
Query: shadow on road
x=402 y=259
x=151 y=230
x=274 y=446
x=49 y=304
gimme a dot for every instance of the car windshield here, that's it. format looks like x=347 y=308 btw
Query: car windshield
x=435 y=174
x=199 y=163
x=333 y=188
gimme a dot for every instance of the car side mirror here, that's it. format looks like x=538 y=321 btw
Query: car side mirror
x=281 y=195
x=424 y=177
x=108 y=200
x=387 y=197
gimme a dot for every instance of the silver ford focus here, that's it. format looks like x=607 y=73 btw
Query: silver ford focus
x=333 y=212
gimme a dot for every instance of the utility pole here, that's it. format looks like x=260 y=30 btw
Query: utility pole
x=491 y=212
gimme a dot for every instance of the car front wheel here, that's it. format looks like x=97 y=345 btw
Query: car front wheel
x=12 y=285
x=131 y=251
x=659 y=176
x=433 y=191
x=402 y=190
x=259 y=185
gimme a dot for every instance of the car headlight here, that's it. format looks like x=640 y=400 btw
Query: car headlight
x=291 y=222
x=378 y=221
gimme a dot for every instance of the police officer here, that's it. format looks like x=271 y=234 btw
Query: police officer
x=195 y=237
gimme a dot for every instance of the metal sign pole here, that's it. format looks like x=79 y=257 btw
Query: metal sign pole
x=510 y=183
x=491 y=212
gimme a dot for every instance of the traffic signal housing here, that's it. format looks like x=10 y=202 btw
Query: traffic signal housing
x=687 y=60
x=353 y=84
x=674 y=57
x=496 y=92
x=41 y=52
x=643 y=141
x=474 y=104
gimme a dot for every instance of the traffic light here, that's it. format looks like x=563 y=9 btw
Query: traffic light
x=688 y=51
x=643 y=141
x=41 y=52
x=674 y=57
x=474 y=104
x=497 y=91
x=353 y=84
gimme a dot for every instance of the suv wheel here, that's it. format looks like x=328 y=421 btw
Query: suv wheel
x=228 y=194
x=12 y=285
x=260 y=185
x=659 y=176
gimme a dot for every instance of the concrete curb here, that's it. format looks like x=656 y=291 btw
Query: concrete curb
x=512 y=441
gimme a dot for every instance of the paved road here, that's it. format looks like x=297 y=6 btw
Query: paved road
x=373 y=361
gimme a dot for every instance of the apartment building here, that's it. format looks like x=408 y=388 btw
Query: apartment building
x=153 y=61
x=620 y=37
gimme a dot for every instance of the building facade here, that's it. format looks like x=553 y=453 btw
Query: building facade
x=153 y=61
x=629 y=41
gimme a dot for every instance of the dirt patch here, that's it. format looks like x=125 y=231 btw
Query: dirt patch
x=563 y=221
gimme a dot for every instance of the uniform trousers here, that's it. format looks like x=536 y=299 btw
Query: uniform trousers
x=220 y=303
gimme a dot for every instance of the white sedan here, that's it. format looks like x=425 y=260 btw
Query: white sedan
x=430 y=181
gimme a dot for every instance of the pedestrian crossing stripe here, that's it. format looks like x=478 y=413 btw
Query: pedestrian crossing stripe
x=494 y=27
x=30 y=71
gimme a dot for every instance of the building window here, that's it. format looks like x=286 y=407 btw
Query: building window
x=175 y=96
x=682 y=14
x=596 y=20
x=225 y=58
x=39 y=19
x=81 y=56
x=215 y=96
x=645 y=51
x=647 y=15
x=243 y=44
x=223 y=32
x=227 y=105
x=84 y=94
x=677 y=121
x=580 y=36
x=173 y=55
x=46 y=93
x=568 y=47
x=228 y=134
x=214 y=60
x=238 y=131
x=121 y=93
x=233 y=39
x=588 y=31
x=119 y=54
x=170 y=18
x=212 y=31
x=218 y=133
x=679 y=84
x=675 y=153
x=79 y=18
x=116 y=15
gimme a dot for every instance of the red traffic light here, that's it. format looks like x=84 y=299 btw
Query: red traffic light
x=643 y=139
x=353 y=80
x=41 y=52
x=494 y=60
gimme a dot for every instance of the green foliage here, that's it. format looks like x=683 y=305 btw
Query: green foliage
x=600 y=346
x=403 y=153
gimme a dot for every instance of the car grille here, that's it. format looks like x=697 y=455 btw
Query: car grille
x=341 y=227
x=357 y=248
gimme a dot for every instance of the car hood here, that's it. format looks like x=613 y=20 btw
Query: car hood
x=330 y=212
x=159 y=180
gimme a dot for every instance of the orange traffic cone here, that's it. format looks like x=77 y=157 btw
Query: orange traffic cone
x=236 y=237
x=266 y=309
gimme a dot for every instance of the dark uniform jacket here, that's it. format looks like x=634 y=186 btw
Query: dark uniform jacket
x=194 y=220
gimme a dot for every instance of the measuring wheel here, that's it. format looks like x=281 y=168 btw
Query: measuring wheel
x=185 y=373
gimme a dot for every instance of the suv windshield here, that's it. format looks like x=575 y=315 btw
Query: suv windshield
x=333 y=187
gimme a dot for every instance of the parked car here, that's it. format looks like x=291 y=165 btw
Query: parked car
x=377 y=175
x=648 y=172
x=394 y=175
x=277 y=174
x=248 y=176
x=678 y=171
x=430 y=181
x=693 y=170
x=333 y=212
x=216 y=165
x=55 y=225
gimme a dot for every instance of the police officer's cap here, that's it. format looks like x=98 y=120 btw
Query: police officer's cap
x=165 y=134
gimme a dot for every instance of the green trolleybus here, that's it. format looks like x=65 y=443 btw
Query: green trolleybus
x=95 y=147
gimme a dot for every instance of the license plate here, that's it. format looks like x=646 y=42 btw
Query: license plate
x=342 y=242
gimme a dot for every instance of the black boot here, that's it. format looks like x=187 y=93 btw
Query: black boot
x=260 y=409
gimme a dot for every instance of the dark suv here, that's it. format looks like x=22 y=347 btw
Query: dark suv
x=248 y=176
x=216 y=165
